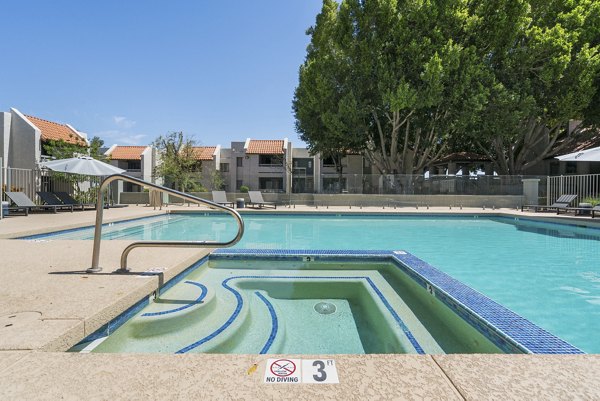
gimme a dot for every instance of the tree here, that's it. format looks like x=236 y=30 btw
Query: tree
x=324 y=108
x=543 y=59
x=391 y=78
x=178 y=164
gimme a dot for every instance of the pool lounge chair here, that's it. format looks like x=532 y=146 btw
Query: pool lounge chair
x=581 y=210
x=23 y=203
x=50 y=199
x=562 y=202
x=67 y=199
x=256 y=200
x=220 y=197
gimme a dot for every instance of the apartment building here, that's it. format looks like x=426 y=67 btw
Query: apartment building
x=137 y=161
x=22 y=138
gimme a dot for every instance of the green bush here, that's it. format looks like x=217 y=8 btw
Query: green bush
x=244 y=189
x=591 y=200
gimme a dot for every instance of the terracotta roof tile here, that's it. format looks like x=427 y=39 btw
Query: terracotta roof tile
x=55 y=132
x=265 y=147
x=127 y=152
x=204 y=152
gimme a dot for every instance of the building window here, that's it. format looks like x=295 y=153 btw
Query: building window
x=240 y=161
x=238 y=184
x=270 y=160
x=270 y=184
x=224 y=167
x=328 y=162
x=134 y=164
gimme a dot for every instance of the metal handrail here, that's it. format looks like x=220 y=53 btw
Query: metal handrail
x=177 y=244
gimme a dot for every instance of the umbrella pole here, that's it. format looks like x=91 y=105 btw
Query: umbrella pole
x=97 y=232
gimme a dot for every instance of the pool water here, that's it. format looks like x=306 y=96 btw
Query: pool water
x=548 y=273
x=272 y=306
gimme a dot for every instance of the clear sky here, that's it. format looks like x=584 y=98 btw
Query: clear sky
x=129 y=71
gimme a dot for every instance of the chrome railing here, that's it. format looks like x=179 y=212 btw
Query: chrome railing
x=177 y=244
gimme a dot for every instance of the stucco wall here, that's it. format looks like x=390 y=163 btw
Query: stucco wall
x=25 y=146
x=5 y=119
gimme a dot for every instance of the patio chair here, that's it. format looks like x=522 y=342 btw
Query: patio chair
x=50 y=199
x=581 y=210
x=256 y=200
x=67 y=199
x=24 y=204
x=562 y=202
x=220 y=197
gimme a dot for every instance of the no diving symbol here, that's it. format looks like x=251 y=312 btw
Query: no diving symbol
x=283 y=367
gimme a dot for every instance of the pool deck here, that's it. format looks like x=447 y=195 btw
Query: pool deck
x=48 y=303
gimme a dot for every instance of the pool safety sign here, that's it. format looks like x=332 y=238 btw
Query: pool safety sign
x=319 y=371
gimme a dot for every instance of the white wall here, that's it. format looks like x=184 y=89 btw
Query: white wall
x=25 y=142
x=5 y=119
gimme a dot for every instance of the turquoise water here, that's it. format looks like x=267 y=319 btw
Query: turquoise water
x=548 y=273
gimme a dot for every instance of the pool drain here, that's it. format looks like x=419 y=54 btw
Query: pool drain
x=325 y=308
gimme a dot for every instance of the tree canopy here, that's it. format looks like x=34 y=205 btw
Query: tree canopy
x=178 y=164
x=406 y=82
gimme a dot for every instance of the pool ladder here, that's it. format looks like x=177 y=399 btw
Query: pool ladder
x=154 y=244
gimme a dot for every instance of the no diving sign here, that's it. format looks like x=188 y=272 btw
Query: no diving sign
x=320 y=371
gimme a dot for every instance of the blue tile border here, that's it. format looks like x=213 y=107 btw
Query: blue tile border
x=202 y=295
x=240 y=304
x=509 y=331
x=274 y=323
x=72 y=230
x=130 y=312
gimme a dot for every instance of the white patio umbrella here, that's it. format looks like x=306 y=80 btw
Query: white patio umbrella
x=82 y=165
x=588 y=155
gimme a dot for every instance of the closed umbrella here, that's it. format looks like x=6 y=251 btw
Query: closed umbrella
x=588 y=155
x=82 y=165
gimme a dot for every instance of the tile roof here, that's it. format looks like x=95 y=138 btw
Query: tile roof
x=55 y=132
x=204 y=152
x=127 y=152
x=265 y=147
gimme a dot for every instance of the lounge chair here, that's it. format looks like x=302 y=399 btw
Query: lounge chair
x=67 y=199
x=256 y=200
x=581 y=210
x=24 y=204
x=220 y=197
x=562 y=202
x=50 y=199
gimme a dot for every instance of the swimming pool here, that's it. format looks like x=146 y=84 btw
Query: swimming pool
x=548 y=273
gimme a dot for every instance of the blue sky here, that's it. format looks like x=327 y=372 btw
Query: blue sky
x=129 y=71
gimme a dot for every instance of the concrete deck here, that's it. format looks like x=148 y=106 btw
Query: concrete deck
x=48 y=303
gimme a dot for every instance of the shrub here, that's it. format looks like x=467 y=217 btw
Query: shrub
x=244 y=189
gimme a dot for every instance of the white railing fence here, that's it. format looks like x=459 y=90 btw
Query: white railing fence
x=584 y=186
x=31 y=181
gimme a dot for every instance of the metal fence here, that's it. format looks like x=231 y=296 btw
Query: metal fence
x=31 y=181
x=422 y=185
x=584 y=186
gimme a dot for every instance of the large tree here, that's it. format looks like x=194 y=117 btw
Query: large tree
x=324 y=106
x=543 y=59
x=395 y=81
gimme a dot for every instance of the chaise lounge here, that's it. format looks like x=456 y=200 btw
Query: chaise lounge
x=50 y=199
x=564 y=201
x=220 y=197
x=256 y=200
x=26 y=205
x=67 y=199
